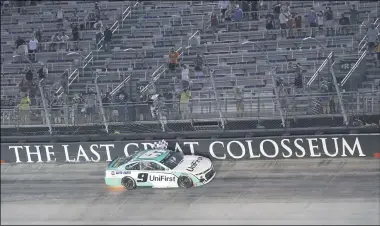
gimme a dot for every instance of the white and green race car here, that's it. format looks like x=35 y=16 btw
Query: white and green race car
x=159 y=168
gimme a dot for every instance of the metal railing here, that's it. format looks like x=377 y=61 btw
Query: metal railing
x=348 y=75
x=75 y=75
x=255 y=108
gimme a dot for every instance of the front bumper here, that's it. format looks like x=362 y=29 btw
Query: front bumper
x=208 y=176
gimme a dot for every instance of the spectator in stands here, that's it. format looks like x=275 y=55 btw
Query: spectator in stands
x=214 y=21
x=75 y=33
x=23 y=86
x=59 y=16
x=320 y=20
x=53 y=41
x=107 y=39
x=185 y=81
x=106 y=100
x=372 y=36
x=281 y=92
x=21 y=47
x=312 y=18
x=122 y=107
x=298 y=24
x=238 y=16
x=38 y=34
x=354 y=17
x=329 y=16
x=185 y=97
x=43 y=72
x=29 y=75
x=378 y=54
x=173 y=59
x=198 y=66
x=298 y=81
x=239 y=97
x=325 y=100
x=33 y=48
x=65 y=81
x=223 y=5
x=276 y=10
x=269 y=26
x=344 y=21
x=254 y=9
x=24 y=108
x=283 y=21
x=97 y=11
x=99 y=32
x=64 y=41
x=291 y=25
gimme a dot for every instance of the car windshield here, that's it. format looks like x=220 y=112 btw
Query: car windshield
x=173 y=159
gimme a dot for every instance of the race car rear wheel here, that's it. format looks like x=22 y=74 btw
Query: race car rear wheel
x=128 y=183
x=185 y=182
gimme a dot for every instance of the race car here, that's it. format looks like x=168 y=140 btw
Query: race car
x=159 y=168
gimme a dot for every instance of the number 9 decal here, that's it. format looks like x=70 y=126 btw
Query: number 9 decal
x=142 y=177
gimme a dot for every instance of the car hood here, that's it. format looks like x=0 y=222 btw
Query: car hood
x=193 y=164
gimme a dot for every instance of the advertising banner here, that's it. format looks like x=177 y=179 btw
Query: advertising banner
x=323 y=146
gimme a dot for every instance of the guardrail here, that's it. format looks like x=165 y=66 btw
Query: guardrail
x=348 y=75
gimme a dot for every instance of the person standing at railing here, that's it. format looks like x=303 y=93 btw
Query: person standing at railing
x=378 y=53
x=38 y=34
x=283 y=21
x=372 y=36
x=53 y=42
x=24 y=109
x=173 y=60
x=354 y=17
x=214 y=22
x=99 y=32
x=312 y=19
x=64 y=41
x=238 y=16
x=21 y=48
x=198 y=66
x=185 y=97
x=33 y=48
x=325 y=100
x=107 y=39
x=185 y=81
x=344 y=21
x=239 y=97
x=65 y=81
x=75 y=33
x=223 y=5
x=329 y=22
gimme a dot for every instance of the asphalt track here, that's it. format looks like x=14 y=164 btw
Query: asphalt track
x=339 y=191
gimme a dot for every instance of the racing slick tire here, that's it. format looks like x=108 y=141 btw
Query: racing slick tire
x=185 y=182
x=128 y=183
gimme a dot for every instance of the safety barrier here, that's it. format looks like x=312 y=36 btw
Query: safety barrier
x=287 y=147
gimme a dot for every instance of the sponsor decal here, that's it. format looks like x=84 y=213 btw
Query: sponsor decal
x=113 y=173
x=161 y=178
x=194 y=164
x=321 y=146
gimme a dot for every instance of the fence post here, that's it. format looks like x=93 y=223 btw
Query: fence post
x=101 y=103
x=46 y=110
x=340 y=99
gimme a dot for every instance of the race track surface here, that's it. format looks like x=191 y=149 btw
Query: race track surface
x=339 y=191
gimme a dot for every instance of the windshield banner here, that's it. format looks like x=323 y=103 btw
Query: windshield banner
x=323 y=146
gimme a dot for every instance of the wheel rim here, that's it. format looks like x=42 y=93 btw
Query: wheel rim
x=128 y=184
x=185 y=182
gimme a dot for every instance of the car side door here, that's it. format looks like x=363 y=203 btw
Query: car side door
x=156 y=175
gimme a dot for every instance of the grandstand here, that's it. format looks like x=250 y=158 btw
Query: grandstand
x=241 y=55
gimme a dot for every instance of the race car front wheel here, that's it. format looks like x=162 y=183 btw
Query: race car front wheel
x=185 y=182
x=128 y=183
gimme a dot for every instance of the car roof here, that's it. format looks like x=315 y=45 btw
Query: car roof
x=140 y=156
